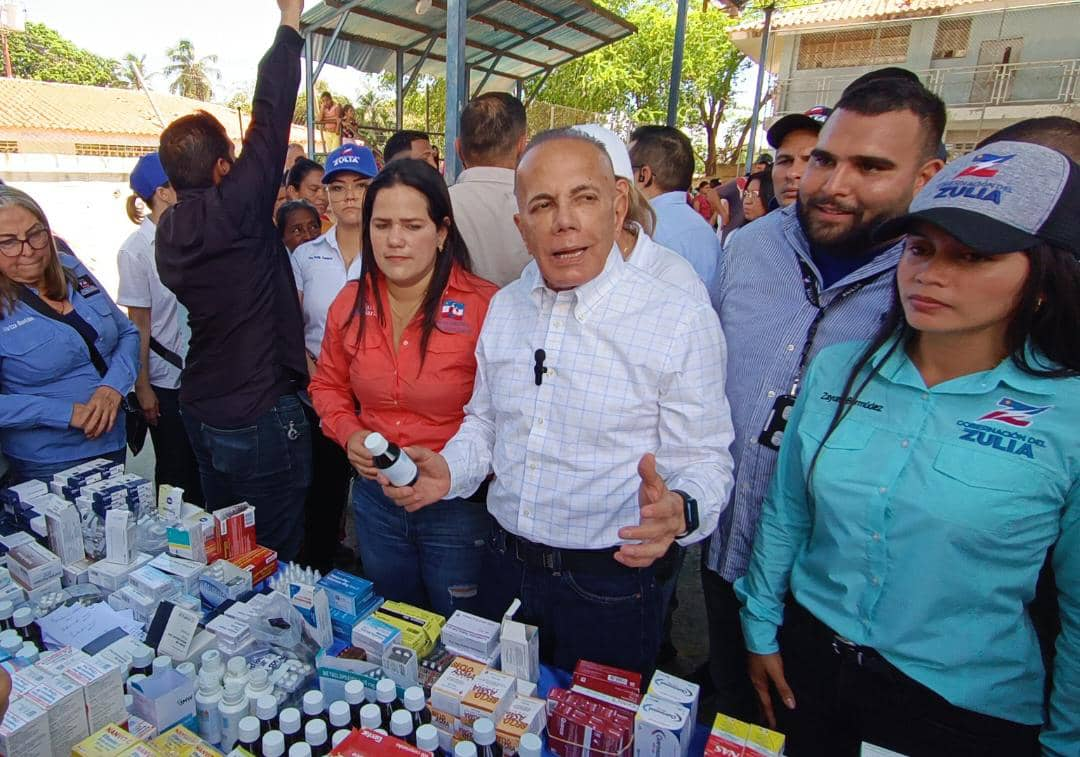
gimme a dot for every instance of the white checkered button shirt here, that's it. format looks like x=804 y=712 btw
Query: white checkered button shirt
x=633 y=366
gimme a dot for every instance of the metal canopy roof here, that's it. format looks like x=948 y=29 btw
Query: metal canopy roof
x=505 y=39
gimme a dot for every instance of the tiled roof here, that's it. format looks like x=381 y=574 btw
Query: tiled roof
x=28 y=104
x=840 y=11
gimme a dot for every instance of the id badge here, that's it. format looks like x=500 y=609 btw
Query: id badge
x=773 y=434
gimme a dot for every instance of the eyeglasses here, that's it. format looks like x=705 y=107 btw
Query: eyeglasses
x=12 y=246
x=751 y=194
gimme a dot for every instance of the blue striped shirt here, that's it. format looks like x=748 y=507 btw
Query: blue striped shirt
x=766 y=316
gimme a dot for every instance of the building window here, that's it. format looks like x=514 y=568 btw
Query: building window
x=858 y=47
x=8 y=146
x=952 y=38
x=112 y=151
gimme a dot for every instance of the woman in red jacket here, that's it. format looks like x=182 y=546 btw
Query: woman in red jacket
x=400 y=344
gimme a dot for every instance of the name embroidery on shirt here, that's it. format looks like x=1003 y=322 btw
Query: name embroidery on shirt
x=827 y=397
x=15 y=324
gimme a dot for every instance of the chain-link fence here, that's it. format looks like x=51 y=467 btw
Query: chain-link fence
x=991 y=68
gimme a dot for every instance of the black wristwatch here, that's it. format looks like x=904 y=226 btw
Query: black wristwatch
x=690 y=513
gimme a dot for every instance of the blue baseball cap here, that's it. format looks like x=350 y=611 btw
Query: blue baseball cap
x=350 y=159
x=148 y=176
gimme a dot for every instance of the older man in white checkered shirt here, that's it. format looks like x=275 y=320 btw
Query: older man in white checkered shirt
x=599 y=407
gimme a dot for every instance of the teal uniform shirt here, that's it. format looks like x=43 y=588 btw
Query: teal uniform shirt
x=928 y=518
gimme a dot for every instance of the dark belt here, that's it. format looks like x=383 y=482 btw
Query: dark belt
x=848 y=651
x=593 y=561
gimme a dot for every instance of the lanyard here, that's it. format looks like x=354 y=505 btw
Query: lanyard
x=813 y=297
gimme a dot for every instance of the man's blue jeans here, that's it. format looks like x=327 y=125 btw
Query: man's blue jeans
x=429 y=558
x=614 y=619
x=267 y=465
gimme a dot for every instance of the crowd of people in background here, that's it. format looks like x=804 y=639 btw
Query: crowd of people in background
x=852 y=375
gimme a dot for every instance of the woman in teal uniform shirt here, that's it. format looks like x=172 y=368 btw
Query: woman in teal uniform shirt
x=60 y=401
x=922 y=482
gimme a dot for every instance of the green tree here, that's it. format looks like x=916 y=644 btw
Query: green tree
x=240 y=101
x=138 y=62
x=41 y=53
x=632 y=77
x=191 y=75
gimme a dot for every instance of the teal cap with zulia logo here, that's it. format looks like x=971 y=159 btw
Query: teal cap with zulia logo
x=1003 y=197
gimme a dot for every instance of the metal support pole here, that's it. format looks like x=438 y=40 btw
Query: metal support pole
x=337 y=33
x=419 y=65
x=457 y=85
x=399 y=88
x=309 y=83
x=760 y=84
x=676 y=64
x=519 y=89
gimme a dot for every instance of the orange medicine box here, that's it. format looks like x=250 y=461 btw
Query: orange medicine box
x=490 y=695
x=261 y=562
x=236 y=527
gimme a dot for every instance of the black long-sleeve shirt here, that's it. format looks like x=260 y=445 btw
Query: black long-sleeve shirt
x=218 y=251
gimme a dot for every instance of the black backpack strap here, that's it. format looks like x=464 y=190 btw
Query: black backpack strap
x=166 y=354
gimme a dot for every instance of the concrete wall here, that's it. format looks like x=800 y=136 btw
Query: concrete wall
x=1049 y=34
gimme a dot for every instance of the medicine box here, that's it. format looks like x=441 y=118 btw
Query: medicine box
x=519 y=645
x=61 y=698
x=109 y=741
x=374 y=636
x=471 y=635
x=222 y=581
x=236 y=529
x=119 y=537
x=454 y=685
x=111 y=576
x=153 y=583
x=673 y=689
x=32 y=565
x=187 y=572
x=76 y=573
x=346 y=592
x=400 y=664
x=25 y=730
x=366 y=743
x=523 y=715
x=661 y=729
x=165 y=699
x=65 y=528
x=195 y=537
x=490 y=695
x=261 y=563
x=336 y=670
x=103 y=690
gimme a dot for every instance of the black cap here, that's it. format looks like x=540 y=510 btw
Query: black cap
x=811 y=120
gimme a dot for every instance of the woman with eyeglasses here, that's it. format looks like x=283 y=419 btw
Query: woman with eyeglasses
x=67 y=354
x=924 y=480
x=322 y=268
x=756 y=196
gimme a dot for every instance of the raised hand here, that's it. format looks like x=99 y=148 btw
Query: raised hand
x=661 y=519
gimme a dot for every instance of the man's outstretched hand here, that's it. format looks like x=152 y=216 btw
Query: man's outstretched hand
x=662 y=519
x=431 y=485
x=290 y=12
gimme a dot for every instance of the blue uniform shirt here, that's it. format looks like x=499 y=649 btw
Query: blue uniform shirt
x=930 y=514
x=682 y=229
x=45 y=368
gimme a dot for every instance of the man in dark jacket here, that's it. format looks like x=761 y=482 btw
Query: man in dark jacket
x=218 y=251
